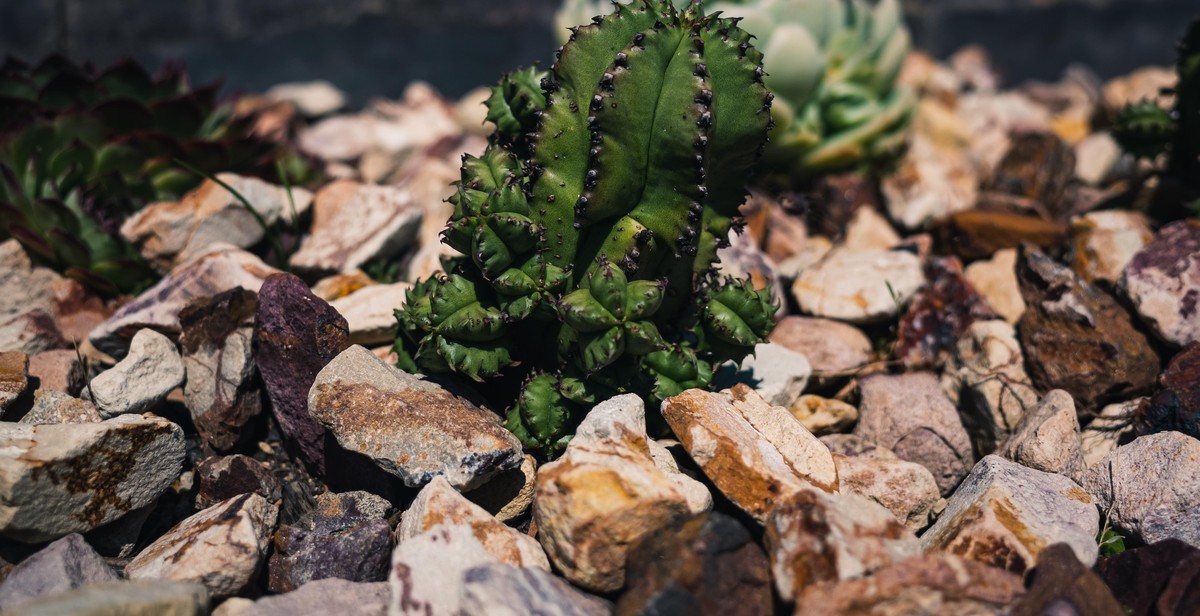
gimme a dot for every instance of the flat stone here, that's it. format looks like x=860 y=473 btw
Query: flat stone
x=508 y=494
x=127 y=598
x=429 y=571
x=169 y=233
x=221 y=392
x=776 y=372
x=859 y=286
x=932 y=181
x=817 y=537
x=939 y=314
x=706 y=565
x=27 y=304
x=295 y=335
x=45 y=492
x=63 y=565
x=996 y=280
x=14 y=376
x=1103 y=243
x=906 y=489
x=354 y=224
x=323 y=597
x=987 y=375
x=412 y=428
x=439 y=503
x=1048 y=438
x=755 y=453
x=218 y=268
x=369 y=312
x=221 y=547
x=55 y=407
x=1176 y=403
x=1163 y=280
x=1108 y=430
x=1062 y=584
x=978 y=234
x=141 y=380
x=909 y=414
x=1150 y=488
x=1078 y=338
x=337 y=286
x=1161 y=578
x=930 y=584
x=602 y=495
x=830 y=347
x=502 y=590
x=58 y=370
x=868 y=229
x=823 y=416
x=221 y=478
x=1004 y=515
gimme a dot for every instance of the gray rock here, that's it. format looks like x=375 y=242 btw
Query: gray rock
x=44 y=488
x=910 y=415
x=906 y=489
x=859 y=286
x=27 y=304
x=61 y=566
x=429 y=570
x=776 y=372
x=1150 y=488
x=503 y=590
x=412 y=428
x=1163 y=280
x=987 y=372
x=56 y=407
x=221 y=547
x=1048 y=438
x=130 y=598
x=1004 y=514
x=356 y=223
x=324 y=597
x=141 y=380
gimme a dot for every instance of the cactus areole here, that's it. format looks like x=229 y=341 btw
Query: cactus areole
x=591 y=223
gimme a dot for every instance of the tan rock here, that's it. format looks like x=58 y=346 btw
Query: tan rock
x=823 y=416
x=753 y=452
x=1103 y=243
x=906 y=489
x=27 y=303
x=1110 y=428
x=859 y=286
x=1150 y=83
x=996 y=280
x=509 y=494
x=868 y=229
x=356 y=223
x=14 y=376
x=832 y=348
x=340 y=285
x=369 y=312
x=1047 y=438
x=57 y=370
x=817 y=537
x=603 y=495
x=439 y=503
x=934 y=179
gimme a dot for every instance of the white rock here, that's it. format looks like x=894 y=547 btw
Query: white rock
x=311 y=98
x=1095 y=157
x=428 y=571
x=933 y=181
x=142 y=379
x=1163 y=281
x=831 y=348
x=369 y=312
x=859 y=286
x=26 y=302
x=699 y=499
x=498 y=590
x=776 y=372
x=356 y=223
x=1103 y=243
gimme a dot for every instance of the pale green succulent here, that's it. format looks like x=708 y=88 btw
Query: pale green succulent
x=832 y=65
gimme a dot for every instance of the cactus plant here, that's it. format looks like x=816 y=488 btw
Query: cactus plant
x=80 y=149
x=590 y=224
x=832 y=65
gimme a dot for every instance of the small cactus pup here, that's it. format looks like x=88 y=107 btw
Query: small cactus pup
x=591 y=223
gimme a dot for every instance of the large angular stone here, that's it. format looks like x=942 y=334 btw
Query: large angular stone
x=141 y=380
x=906 y=489
x=345 y=536
x=356 y=223
x=502 y=590
x=27 y=305
x=1048 y=438
x=61 y=566
x=66 y=478
x=1163 y=280
x=1005 y=514
x=859 y=286
x=1062 y=584
x=429 y=571
x=1160 y=578
x=755 y=453
x=412 y=428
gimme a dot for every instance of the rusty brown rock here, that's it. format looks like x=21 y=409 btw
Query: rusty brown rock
x=978 y=235
x=1033 y=175
x=939 y=314
x=223 y=477
x=833 y=202
x=14 y=376
x=1078 y=338
x=1062 y=584
x=1176 y=403
x=58 y=370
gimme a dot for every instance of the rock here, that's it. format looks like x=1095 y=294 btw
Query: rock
x=1078 y=338
x=1176 y=404
x=987 y=373
x=699 y=499
x=854 y=446
x=823 y=416
x=708 y=564
x=1150 y=83
x=63 y=565
x=1048 y=438
x=502 y=590
x=219 y=268
x=909 y=414
x=55 y=407
x=743 y=258
x=221 y=392
x=429 y=571
x=991 y=118
x=939 y=314
x=313 y=99
x=508 y=494
x=776 y=372
x=1108 y=430
x=930 y=584
x=223 y=477
x=439 y=503
x=1062 y=584
x=808 y=254
x=1033 y=175
x=755 y=453
x=295 y=335
x=859 y=286
x=933 y=180
x=27 y=304
x=369 y=312
x=1103 y=243
x=337 y=286
x=1005 y=514
x=327 y=596
x=412 y=428
x=831 y=347
x=1150 y=488
x=602 y=495
x=47 y=473
x=221 y=547
x=869 y=230
x=170 y=233
x=14 y=376
x=835 y=200
x=129 y=598
x=1095 y=157
x=141 y=380
x=996 y=280
x=1161 y=578
x=979 y=234
x=346 y=536
x=906 y=489
x=354 y=224
x=58 y=370
x=1163 y=281
x=816 y=537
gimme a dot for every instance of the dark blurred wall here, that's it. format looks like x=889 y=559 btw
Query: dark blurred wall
x=374 y=47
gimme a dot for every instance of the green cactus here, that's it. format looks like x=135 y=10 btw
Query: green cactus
x=80 y=149
x=832 y=65
x=590 y=225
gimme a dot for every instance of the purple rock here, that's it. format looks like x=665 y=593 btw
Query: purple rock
x=61 y=566
x=346 y=536
x=222 y=478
